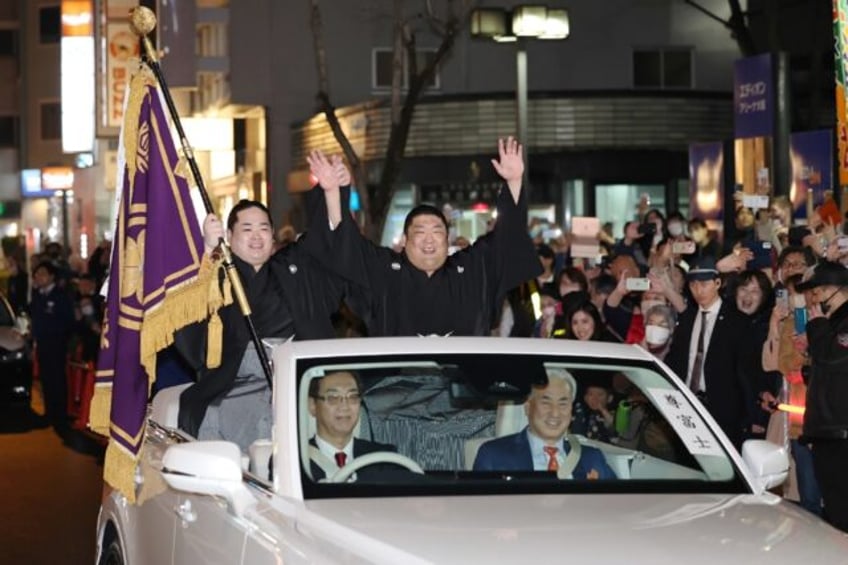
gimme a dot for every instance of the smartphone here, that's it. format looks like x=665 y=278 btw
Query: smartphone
x=762 y=255
x=637 y=284
x=551 y=233
x=781 y=298
x=683 y=247
x=842 y=243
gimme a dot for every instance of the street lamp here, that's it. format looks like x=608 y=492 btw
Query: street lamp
x=522 y=23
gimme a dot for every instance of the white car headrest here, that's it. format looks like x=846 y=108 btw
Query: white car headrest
x=165 y=409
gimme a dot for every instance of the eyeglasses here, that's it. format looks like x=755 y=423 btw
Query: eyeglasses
x=795 y=264
x=335 y=399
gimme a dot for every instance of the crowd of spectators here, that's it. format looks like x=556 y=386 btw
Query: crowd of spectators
x=728 y=315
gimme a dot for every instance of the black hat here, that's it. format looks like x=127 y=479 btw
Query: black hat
x=544 y=250
x=704 y=270
x=826 y=273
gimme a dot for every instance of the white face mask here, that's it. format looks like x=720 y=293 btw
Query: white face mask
x=87 y=310
x=675 y=229
x=657 y=335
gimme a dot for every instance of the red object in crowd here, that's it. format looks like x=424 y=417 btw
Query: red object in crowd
x=636 y=331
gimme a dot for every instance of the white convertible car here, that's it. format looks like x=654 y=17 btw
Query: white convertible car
x=674 y=490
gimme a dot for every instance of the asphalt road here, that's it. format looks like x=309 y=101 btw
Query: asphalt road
x=50 y=490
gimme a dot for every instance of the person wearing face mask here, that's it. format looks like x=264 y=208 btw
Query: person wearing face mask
x=659 y=323
x=826 y=416
x=548 y=325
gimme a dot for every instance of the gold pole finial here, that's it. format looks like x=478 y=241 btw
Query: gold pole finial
x=142 y=22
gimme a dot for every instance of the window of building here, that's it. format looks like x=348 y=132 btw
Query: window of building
x=381 y=67
x=8 y=131
x=8 y=42
x=51 y=121
x=662 y=68
x=50 y=24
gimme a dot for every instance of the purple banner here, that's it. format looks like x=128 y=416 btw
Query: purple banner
x=811 y=158
x=156 y=259
x=753 y=97
x=706 y=180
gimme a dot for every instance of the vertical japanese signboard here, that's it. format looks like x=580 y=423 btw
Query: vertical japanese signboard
x=840 y=35
x=119 y=50
x=753 y=97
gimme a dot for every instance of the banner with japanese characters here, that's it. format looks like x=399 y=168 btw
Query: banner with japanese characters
x=753 y=97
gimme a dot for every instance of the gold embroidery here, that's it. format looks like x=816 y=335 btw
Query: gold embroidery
x=131 y=279
x=143 y=156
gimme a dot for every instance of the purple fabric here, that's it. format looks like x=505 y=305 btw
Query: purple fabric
x=157 y=247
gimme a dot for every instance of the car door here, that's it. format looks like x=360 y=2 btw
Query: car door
x=154 y=528
x=207 y=533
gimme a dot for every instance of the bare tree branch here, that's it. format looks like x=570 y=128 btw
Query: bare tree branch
x=326 y=107
x=397 y=61
x=737 y=24
x=320 y=50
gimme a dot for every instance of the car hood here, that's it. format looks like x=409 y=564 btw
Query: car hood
x=596 y=528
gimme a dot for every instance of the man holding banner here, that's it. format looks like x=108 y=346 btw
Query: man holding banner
x=160 y=281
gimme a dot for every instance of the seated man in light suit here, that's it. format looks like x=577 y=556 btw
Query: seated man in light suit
x=334 y=402
x=543 y=445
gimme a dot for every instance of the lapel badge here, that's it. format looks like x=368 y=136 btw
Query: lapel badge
x=460 y=269
x=396 y=266
x=842 y=340
x=293 y=269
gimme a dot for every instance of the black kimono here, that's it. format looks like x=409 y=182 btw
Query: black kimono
x=463 y=297
x=289 y=295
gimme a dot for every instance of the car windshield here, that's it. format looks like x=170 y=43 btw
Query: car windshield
x=488 y=423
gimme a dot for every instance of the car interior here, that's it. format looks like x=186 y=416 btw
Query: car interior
x=438 y=413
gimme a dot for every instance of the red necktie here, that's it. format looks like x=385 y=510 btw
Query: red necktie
x=341 y=458
x=551 y=451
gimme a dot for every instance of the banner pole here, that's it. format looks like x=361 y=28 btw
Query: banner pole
x=142 y=22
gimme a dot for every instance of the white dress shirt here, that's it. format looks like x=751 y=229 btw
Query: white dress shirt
x=712 y=316
x=330 y=450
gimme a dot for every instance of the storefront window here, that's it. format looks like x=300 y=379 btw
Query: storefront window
x=619 y=203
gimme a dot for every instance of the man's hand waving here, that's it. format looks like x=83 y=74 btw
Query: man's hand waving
x=331 y=173
x=510 y=164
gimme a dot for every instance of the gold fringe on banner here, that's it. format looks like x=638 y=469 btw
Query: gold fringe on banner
x=101 y=409
x=192 y=302
x=119 y=470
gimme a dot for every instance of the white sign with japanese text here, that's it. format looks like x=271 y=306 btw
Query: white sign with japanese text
x=697 y=438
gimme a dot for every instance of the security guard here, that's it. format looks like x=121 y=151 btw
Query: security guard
x=826 y=417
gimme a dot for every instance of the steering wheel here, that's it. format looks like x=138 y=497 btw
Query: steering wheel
x=358 y=463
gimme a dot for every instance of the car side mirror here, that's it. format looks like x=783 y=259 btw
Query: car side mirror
x=767 y=462
x=211 y=468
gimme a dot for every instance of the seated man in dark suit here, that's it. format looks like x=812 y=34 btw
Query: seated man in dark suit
x=543 y=445
x=334 y=402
